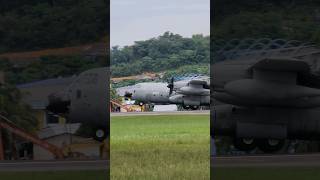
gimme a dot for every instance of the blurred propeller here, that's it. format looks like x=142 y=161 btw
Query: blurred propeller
x=171 y=85
x=128 y=94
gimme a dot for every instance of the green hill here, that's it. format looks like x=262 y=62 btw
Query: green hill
x=166 y=52
x=41 y=24
x=286 y=19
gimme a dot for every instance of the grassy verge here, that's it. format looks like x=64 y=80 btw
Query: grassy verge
x=266 y=173
x=59 y=175
x=160 y=147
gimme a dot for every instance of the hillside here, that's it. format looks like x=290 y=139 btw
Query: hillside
x=286 y=19
x=41 y=24
x=93 y=49
x=166 y=52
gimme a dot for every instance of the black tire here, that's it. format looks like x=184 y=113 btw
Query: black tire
x=270 y=145
x=186 y=107
x=245 y=144
x=194 y=107
x=100 y=134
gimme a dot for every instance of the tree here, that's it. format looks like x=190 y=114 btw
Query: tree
x=15 y=110
x=32 y=25
x=168 y=51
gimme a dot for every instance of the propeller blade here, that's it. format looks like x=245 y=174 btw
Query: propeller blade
x=171 y=85
x=128 y=95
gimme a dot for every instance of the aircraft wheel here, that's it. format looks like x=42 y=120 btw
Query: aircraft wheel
x=270 y=145
x=186 y=107
x=245 y=144
x=194 y=107
x=100 y=134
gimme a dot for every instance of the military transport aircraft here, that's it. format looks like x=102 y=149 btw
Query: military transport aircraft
x=270 y=90
x=190 y=93
x=81 y=99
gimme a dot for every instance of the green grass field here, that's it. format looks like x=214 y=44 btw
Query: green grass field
x=59 y=175
x=160 y=147
x=266 y=173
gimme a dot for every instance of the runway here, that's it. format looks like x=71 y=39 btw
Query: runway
x=15 y=166
x=302 y=160
x=206 y=112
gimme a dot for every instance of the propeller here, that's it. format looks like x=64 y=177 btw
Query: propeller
x=171 y=85
x=128 y=94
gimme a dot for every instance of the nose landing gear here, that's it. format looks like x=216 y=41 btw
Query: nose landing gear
x=270 y=145
x=100 y=134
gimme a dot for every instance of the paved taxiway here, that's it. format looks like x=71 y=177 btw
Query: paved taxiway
x=303 y=160
x=205 y=112
x=53 y=165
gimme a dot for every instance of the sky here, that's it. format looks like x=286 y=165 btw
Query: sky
x=135 y=20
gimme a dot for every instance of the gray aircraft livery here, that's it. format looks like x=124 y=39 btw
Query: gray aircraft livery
x=271 y=92
x=81 y=99
x=190 y=93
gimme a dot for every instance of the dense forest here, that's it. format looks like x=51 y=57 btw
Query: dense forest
x=166 y=52
x=27 y=25
x=48 y=67
x=39 y=24
x=12 y=107
x=286 y=19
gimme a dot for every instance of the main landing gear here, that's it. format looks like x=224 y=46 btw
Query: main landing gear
x=265 y=145
x=187 y=107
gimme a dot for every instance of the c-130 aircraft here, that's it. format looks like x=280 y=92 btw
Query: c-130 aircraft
x=191 y=92
x=270 y=90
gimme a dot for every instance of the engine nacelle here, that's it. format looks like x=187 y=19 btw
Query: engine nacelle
x=190 y=100
x=290 y=103
x=268 y=91
x=194 y=91
x=250 y=92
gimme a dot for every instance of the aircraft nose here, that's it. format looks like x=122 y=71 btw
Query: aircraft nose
x=134 y=95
